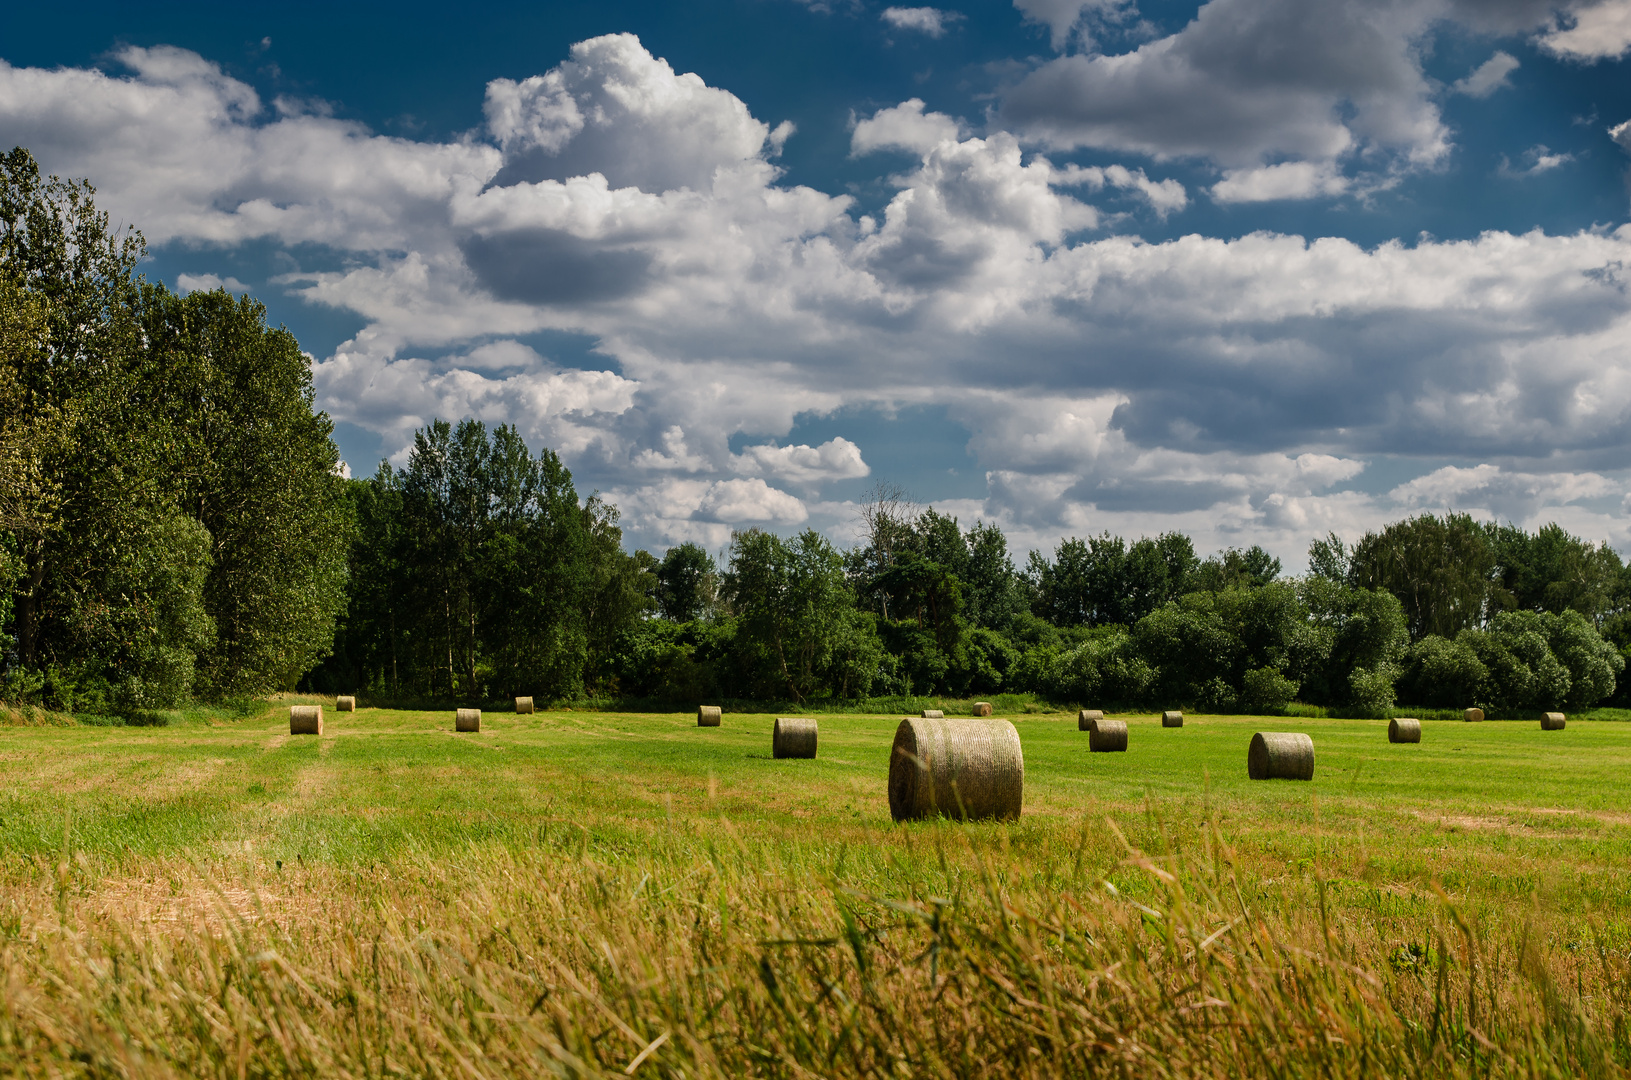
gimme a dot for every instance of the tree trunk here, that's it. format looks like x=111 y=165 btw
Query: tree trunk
x=28 y=613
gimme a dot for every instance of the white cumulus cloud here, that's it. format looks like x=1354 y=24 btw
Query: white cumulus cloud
x=836 y=459
x=1591 y=31
x=1488 y=77
x=925 y=20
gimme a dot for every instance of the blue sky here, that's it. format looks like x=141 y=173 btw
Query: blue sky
x=1254 y=269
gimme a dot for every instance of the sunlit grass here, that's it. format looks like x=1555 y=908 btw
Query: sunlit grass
x=548 y=893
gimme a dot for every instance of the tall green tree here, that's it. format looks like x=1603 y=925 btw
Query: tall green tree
x=252 y=460
x=687 y=582
x=1441 y=569
x=795 y=609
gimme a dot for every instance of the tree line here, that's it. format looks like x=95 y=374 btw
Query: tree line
x=173 y=525
x=1500 y=617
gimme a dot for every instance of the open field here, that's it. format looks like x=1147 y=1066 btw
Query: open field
x=564 y=890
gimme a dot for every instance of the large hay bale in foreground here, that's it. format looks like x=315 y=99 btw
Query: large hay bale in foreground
x=345 y=704
x=305 y=719
x=1553 y=721
x=1280 y=755
x=932 y=714
x=982 y=708
x=708 y=715
x=1085 y=718
x=958 y=768
x=523 y=706
x=1404 y=729
x=1107 y=736
x=1172 y=718
x=793 y=737
x=1473 y=716
x=467 y=720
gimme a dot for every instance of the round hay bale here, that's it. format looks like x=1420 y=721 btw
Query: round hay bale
x=1085 y=718
x=1473 y=716
x=305 y=719
x=1280 y=755
x=523 y=706
x=1553 y=721
x=1172 y=718
x=793 y=737
x=708 y=715
x=345 y=704
x=1404 y=729
x=982 y=708
x=1107 y=736
x=467 y=720
x=932 y=714
x=963 y=769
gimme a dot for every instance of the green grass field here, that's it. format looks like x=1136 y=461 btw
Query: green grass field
x=562 y=890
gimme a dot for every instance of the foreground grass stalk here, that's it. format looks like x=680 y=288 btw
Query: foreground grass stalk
x=507 y=965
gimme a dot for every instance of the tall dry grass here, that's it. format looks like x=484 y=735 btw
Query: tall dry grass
x=716 y=958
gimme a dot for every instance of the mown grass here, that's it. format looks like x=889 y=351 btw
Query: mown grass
x=564 y=890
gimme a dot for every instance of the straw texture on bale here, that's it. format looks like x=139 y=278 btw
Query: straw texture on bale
x=933 y=714
x=1280 y=755
x=1553 y=721
x=1107 y=736
x=1404 y=729
x=345 y=704
x=982 y=708
x=1085 y=718
x=793 y=737
x=467 y=720
x=708 y=715
x=305 y=719
x=958 y=768
x=523 y=706
x=1473 y=716
x=1173 y=718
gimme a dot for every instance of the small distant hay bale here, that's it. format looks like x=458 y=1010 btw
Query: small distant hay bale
x=523 y=706
x=1553 y=721
x=932 y=714
x=1280 y=755
x=708 y=715
x=1172 y=718
x=1107 y=736
x=965 y=769
x=345 y=704
x=305 y=719
x=982 y=708
x=467 y=720
x=1085 y=718
x=1404 y=729
x=1473 y=716
x=793 y=737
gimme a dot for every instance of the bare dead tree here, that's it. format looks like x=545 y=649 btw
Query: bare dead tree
x=886 y=512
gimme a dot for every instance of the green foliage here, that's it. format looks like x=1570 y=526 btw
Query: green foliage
x=797 y=620
x=161 y=459
x=1550 y=570
x=1440 y=569
x=1367 y=636
x=1443 y=673
x=1105 y=668
x=476 y=572
x=258 y=468
x=1236 y=569
x=1525 y=660
x=1102 y=581
x=687 y=583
